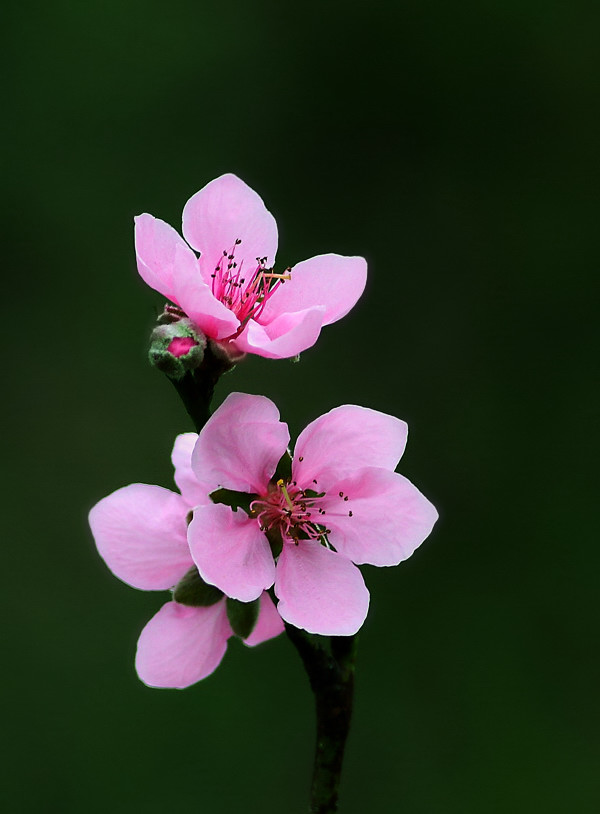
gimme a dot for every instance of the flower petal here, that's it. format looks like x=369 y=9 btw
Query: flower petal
x=346 y=439
x=240 y=445
x=161 y=255
x=140 y=532
x=231 y=552
x=331 y=280
x=269 y=624
x=286 y=336
x=390 y=517
x=200 y=304
x=187 y=483
x=319 y=590
x=226 y=210
x=181 y=645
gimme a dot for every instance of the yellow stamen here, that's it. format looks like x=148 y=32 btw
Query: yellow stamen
x=271 y=276
x=281 y=485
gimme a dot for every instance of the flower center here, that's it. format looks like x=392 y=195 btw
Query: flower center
x=246 y=293
x=295 y=512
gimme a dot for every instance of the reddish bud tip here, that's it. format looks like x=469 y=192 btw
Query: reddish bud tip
x=181 y=345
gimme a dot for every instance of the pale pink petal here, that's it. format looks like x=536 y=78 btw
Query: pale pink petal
x=226 y=210
x=329 y=279
x=161 y=255
x=187 y=482
x=285 y=336
x=231 y=551
x=140 y=532
x=197 y=300
x=181 y=645
x=269 y=624
x=240 y=445
x=319 y=590
x=390 y=517
x=346 y=439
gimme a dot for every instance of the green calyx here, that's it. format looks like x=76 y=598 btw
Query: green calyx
x=242 y=616
x=236 y=500
x=193 y=591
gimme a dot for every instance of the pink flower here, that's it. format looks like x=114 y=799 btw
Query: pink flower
x=342 y=504
x=141 y=533
x=231 y=291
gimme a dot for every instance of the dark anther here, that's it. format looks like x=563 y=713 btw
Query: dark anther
x=349 y=514
x=238 y=241
x=346 y=498
x=301 y=458
x=224 y=254
x=341 y=494
x=314 y=480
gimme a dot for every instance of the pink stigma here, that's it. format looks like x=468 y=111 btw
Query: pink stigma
x=181 y=345
x=245 y=294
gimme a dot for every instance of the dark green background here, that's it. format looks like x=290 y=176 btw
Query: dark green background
x=453 y=145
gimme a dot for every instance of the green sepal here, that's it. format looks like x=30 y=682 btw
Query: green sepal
x=193 y=591
x=242 y=616
x=275 y=541
x=283 y=470
x=236 y=500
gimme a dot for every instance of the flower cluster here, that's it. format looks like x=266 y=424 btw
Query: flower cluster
x=301 y=533
x=257 y=535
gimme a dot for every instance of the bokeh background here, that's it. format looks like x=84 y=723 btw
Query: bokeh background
x=455 y=146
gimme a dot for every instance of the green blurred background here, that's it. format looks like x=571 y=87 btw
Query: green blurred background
x=452 y=144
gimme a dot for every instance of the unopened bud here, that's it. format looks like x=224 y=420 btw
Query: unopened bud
x=177 y=347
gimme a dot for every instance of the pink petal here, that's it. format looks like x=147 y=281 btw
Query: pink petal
x=226 y=210
x=329 y=279
x=231 y=552
x=345 y=439
x=286 y=336
x=140 y=532
x=199 y=303
x=187 y=483
x=390 y=517
x=319 y=590
x=269 y=623
x=161 y=255
x=181 y=645
x=240 y=445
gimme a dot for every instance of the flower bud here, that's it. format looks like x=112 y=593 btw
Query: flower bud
x=176 y=347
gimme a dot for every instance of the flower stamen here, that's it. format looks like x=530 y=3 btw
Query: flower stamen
x=246 y=296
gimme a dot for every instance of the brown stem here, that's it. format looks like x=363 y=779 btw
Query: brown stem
x=331 y=674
